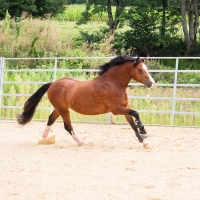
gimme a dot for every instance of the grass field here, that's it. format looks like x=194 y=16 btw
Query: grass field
x=71 y=29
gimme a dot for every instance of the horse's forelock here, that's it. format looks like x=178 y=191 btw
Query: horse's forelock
x=137 y=62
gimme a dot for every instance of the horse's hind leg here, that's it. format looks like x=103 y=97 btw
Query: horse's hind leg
x=52 y=118
x=68 y=126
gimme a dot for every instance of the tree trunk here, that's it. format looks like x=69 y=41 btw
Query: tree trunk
x=110 y=15
x=164 y=7
x=190 y=9
x=114 y=21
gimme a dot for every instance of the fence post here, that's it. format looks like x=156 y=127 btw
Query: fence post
x=55 y=69
x=1 y=80
x=174 y=92
x=54 y=77
x=110 y=120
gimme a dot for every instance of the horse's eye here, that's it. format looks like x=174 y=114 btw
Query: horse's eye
x=140 y=71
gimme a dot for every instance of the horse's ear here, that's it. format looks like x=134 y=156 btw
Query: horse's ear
x=138 y=58
x=143 y=60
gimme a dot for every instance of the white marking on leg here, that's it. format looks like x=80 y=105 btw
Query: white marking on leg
x=46 y=132
x=75 y=137
x=146 y=144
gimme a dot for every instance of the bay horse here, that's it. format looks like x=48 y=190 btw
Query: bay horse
x=105 y=93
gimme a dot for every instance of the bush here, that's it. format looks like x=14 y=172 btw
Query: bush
x=29 y=38
x=194 y=50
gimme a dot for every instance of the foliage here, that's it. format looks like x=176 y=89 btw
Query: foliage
x=190 y=21
x=114 y=11
x=68 y=2
x=48 y=6
x=76 y=12
x=34 y=52
x=29 y=38
x=41 y=38
x=140 y=38
x=145 y=35
x=4 y=5
x=194 y=51
x=36 y=8
x=97 y=36
x=71 y=13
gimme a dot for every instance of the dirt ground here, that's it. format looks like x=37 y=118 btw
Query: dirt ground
x=114 y=166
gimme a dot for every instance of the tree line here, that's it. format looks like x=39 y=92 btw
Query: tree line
x=155 y=23
x=156 y=27
x=37 y=8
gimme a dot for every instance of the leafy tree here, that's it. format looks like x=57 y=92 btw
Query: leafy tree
x=33 y=7
x=4 y=5
x=151 y=24
x=170 y=14
x=140 y=38
x=189 y=9
x=48 y=7
x=99 y=6
x=16 y=7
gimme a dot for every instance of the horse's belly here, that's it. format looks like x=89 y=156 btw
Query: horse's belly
x=90 y=108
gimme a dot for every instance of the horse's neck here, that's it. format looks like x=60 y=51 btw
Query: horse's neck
x=119 y=74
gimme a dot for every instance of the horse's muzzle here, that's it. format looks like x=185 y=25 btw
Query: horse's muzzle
x=150 y=83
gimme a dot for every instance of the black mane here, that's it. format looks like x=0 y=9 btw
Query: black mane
x=116 y=61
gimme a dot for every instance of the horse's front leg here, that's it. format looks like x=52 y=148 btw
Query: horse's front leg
x=135 y=127
x=140 y=125
x=138 y=128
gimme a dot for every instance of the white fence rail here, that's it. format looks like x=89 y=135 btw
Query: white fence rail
x=55 y=70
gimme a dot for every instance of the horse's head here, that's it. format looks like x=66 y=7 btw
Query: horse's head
x=140 y=73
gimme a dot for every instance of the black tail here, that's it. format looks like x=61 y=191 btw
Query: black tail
x=31 y=104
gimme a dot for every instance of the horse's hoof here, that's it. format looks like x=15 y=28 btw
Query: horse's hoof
x=48 y=140
x=144 y=135
x=87 y=144
x=146 y=144
x=143 y=131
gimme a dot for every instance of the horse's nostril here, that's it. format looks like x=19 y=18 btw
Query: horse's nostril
x=150 y=84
